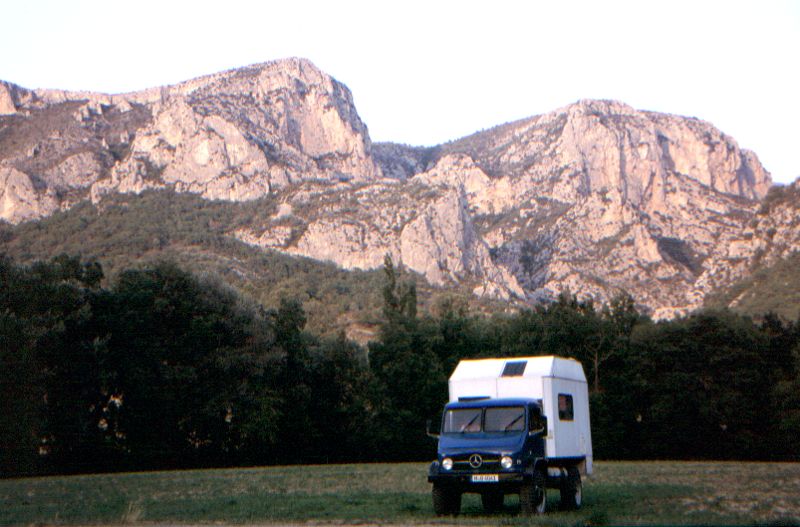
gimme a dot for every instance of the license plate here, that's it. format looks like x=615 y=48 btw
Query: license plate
x=485 y=478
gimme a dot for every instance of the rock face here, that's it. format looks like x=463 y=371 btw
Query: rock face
x=770 y=235
x=7 y=106
x=596 y=197
x=241 y=135
x=19 y=198
x=427 y=228
x=236 y=135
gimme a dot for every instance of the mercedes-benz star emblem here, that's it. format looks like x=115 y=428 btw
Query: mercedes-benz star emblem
x=475 y=460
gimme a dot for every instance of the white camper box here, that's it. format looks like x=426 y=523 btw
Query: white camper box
x=549 y=379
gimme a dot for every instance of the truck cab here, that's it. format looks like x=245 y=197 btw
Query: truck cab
x=498 y=445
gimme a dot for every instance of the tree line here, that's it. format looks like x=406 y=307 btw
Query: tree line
x=165 y=369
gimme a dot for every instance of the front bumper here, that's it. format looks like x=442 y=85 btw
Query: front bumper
x=508 y=480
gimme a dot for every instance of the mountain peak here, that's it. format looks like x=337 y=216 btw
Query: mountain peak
x=594 y=197
x=275 y=74
x=266 y=76
x=237 y=135
x=601 y=107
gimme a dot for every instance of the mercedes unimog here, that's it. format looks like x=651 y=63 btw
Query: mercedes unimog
x=513 y=426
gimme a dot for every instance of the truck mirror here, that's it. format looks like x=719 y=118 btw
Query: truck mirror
x=428 y=430
x=540 y=426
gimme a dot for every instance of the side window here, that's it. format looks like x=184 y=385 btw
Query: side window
x=535 y=422
x=565 y=409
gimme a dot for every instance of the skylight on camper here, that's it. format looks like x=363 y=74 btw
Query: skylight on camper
x=514 y=368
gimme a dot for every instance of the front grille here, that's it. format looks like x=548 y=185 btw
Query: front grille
x=488 y=464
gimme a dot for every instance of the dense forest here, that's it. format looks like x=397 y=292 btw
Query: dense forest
x=162 y=368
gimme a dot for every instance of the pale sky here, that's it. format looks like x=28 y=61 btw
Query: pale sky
x=425 y=72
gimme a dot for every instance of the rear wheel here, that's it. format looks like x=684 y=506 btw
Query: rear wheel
x=492 y=501
x=572 y=490
x=532 y=495
x=446 y=500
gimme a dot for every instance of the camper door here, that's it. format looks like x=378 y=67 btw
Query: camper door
x=568 y=418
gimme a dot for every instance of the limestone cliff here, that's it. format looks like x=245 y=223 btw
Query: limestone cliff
x=598 y=198
x=595 y=197
x=235 y=135
x=771 y=235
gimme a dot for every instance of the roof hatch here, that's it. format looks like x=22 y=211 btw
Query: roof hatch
x=514 y=368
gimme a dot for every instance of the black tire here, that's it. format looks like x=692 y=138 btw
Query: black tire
x=492 y=501
x=446 y=500
x=572 y=490
x=532 y=495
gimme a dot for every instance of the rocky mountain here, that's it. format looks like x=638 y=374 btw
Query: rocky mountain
x=235 y=135
x=767 y=256
x=595 y=197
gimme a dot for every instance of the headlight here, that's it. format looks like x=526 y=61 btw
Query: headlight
x=506 y=462
x=447 y=463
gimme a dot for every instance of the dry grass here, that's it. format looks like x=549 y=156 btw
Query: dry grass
x=618 y=493
x=710 y=492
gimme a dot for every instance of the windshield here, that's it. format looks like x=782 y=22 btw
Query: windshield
x=472 y=420
x=509 y=419
x=462 y=421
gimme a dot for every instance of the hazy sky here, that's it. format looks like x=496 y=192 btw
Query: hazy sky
x=430 y=71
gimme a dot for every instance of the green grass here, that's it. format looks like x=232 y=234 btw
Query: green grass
x=618 y=493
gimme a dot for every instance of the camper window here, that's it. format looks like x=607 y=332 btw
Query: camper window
x=462 y=421
x=505 y=419
x=565 y=409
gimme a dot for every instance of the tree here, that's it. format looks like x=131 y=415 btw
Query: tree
x=172 y=340
x=409 y=373
x=297 y=427
x=784 y=361
x=786 y=401
x=702 y=388
x=20 y=389
x=49 y=355
x=574 y=329
x=344 y=411
x=399 y=298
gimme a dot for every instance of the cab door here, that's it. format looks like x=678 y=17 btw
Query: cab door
x=537 y=430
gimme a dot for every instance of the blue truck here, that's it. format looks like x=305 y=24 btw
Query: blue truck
x=513 y=426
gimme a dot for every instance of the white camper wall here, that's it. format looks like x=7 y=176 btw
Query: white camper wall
x=475 y=378
x=519 y=387
x=584 y=424
x=472 y=388
x=568 y=438
x=483 y=377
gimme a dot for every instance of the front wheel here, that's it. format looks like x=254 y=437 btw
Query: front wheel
x=532 y=495
x=446 y=500
x=572 y=490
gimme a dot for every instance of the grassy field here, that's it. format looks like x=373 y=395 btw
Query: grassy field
x=618 y=493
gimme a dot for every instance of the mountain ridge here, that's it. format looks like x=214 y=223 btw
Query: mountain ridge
x=595 y=197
